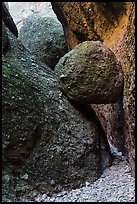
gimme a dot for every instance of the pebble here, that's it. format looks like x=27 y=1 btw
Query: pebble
x=116 y=184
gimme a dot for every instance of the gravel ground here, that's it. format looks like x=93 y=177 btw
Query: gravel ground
x=115 y=185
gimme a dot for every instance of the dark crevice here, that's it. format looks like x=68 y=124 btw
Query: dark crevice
x=114 y=10
x=8 y=20
x=59 y=14
x=89 y=115
x=80 y=36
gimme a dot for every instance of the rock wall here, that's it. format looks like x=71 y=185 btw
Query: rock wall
x=43 y=133
x=47 y=143
x=112 y=24
x=129 y=91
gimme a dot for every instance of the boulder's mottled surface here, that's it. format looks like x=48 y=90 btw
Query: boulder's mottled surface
x=114 y=24
x=90 y=73
x=44 y=37
x=47 y=143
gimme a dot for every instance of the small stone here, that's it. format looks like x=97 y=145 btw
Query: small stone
x=87 y=183
x=44 y=196
x=6 y=178
x=25 y=176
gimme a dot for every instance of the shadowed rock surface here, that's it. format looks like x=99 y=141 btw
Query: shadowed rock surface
x=90 y=73
x=47 y=143
x=5 y=40
x=8 y=20
x=44 y=37
x=129 y=90
x=113 y=24
x=42 y=133
x=84 y=21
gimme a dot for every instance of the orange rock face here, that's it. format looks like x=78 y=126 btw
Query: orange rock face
x=113 y=24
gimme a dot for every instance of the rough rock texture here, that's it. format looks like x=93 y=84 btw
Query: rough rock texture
x=129 y=90
x=44 y=37
x=114 y=24
x=121 y=121
x=87 y=20
x=46 y=143
x=90 y=73
x=112 y=119
x=116 y=184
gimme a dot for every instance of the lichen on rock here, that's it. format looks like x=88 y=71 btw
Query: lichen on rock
x=44 y=136
x=44 y=37
x=90 y=73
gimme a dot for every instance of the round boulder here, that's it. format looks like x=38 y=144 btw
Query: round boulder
x=48 y=144
x=44 y=37
x=90 y=73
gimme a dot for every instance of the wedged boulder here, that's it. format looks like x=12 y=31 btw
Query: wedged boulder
x=119 y=118
x=44 y=37
x=90 y=73
x=47 y=143
x=114 y=25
